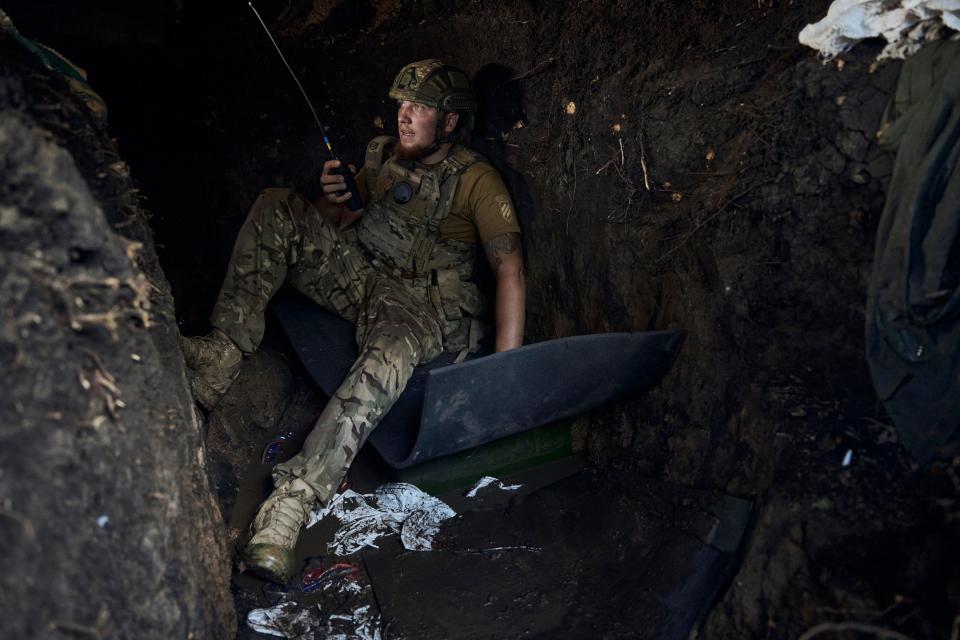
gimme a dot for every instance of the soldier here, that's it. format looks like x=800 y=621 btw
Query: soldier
x=401 y=270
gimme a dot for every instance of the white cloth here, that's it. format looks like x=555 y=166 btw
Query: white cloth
x=905 y=24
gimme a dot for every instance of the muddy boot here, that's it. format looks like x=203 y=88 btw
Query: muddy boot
x=213 y=361
x=276 y=528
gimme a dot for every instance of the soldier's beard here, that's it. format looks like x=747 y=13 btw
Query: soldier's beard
x=409 y=153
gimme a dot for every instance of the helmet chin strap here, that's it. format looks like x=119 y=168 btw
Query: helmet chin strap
x=439 y=137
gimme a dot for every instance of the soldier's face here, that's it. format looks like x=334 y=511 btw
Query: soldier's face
x=417 y=124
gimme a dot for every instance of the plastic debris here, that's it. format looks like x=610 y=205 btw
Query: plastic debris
x=486 y=481
x=102 y=521
x=300 y=621
x=499 y=550
x=905 y=24
x=286 y=620
x=342 y=574
x=847 y=458
x=364 y=624
x=273 y=449
x=342 y=586
x=399 y=508
x=314 y=574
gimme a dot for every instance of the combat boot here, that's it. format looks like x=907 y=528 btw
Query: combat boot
x=276 y=528
x=213 y=361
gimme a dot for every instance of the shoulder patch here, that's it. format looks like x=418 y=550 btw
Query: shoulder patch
x=506 y=209
x=376 y=150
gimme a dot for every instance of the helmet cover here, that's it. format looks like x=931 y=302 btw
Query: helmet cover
x=436 y=84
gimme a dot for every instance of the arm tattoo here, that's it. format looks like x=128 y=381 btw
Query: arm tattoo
x=501 y=246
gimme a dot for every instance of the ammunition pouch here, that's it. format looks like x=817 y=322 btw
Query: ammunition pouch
x=458 y=305
x=445 y=294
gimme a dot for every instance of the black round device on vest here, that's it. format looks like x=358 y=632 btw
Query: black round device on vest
x=402 y=193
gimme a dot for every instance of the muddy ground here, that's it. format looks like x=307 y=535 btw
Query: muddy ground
x=714 y=176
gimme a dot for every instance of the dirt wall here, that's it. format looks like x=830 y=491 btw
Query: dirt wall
x=107 y=521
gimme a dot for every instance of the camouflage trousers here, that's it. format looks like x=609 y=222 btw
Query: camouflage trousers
x=286 y=241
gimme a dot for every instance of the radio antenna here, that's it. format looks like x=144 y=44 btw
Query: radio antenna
x=293 y=75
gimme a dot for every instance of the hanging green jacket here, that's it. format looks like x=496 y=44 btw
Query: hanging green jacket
x=913 y=305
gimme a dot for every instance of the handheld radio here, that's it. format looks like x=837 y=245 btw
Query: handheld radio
x=355 y=203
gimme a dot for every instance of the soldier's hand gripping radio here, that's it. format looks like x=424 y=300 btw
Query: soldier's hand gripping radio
x=355 y=203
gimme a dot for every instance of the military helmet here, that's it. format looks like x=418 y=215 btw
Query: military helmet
x=440 y=85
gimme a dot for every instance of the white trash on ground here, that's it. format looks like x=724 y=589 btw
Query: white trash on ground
x=297 y=621
x=847 y=458
x=286 y=620
x=343 y=587
x=486 y=481
x=393 y=508
x=905 y=24
x=364 y=624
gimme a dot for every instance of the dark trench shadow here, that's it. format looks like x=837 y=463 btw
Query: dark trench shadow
x=499 y=109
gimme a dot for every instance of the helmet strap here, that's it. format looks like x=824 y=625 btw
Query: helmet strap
x=439 y=137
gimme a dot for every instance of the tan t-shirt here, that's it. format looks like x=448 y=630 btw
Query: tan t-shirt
x=481 y=208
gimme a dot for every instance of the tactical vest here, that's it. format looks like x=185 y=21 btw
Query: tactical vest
x=400 y=232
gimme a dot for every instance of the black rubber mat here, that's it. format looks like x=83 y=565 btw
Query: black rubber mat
x=447 y=408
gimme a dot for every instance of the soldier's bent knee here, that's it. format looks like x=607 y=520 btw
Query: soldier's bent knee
x=397 y=344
